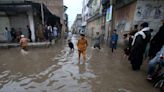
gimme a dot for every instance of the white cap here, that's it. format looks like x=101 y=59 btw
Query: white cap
x=22 y=36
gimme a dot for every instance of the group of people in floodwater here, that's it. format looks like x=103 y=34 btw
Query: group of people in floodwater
x=42 y=33
x=13 y=35
x=140 y=44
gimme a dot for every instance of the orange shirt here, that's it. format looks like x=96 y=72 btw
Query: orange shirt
x=23 y=42
x=82 y=44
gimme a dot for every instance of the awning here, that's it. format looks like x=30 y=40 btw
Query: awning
x=24 y=6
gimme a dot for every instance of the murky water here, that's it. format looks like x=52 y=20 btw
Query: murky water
x=55 y=69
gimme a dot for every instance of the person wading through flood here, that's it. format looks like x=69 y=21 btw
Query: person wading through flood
x=139 y=44
x=97 y=41
x=71 y=46
x=82 y=46
x=114 y=39
x=24 y=42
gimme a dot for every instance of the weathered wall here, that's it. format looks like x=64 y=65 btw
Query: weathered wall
x=151 y=11
x=55 y=6
x=90 y=28
x=93 y=27
x=19 y=22
x=124 y=19
x=137 y=12
x=4 y=22
x=78 y=25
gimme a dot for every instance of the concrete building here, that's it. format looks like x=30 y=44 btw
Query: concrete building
x=95 y=18
x=56 y=7
x=18 y=14
x=122 y=15
x=85 y=14
x=77 y=25
x=128 y=13
x=65 y=19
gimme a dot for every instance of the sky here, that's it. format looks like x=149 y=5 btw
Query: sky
x=74 y=8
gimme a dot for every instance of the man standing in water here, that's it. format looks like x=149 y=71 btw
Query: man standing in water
x=82 y=46
x=114 y=39
x=23 y=43
x=157 y=42
x=97 y=41
x=139 y=44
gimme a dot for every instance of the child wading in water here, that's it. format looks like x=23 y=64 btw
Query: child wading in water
x=82 y=46
x=114 y=40
x=71 y=46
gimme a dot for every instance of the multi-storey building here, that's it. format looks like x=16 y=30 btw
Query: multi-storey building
x=77 y=25
x=85 y=14
x=94 y=21
x=20 y=13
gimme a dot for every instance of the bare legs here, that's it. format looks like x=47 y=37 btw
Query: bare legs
x=84 y=56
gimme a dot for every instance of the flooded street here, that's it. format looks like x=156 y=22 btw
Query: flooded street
x=55 y=69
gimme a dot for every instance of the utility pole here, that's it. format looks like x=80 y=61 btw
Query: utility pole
x=42 y=12
x=113 y=16
x=109 y=21
x=110 y=25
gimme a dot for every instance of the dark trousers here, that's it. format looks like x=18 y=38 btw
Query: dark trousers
x=113 y=46
x=97 y=45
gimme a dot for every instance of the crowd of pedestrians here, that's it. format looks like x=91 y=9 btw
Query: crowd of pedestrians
x=51 y=32
x=42 y=33
x=140 y=44
x=13 y=35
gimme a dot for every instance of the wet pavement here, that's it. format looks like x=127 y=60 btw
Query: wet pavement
x=56 y=69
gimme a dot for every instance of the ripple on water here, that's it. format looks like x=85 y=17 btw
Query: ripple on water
x=63 y=76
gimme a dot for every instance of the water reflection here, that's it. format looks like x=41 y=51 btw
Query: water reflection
x=38 y=74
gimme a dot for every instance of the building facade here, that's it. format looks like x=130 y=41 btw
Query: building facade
x=95 y=18
x=135 y=12
x=18 y=14
x=85 y=14
x=65 y=18
x=122 y=15
x=77 y=25
x=56 y=7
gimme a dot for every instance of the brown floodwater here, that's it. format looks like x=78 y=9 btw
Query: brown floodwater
x=56 y=69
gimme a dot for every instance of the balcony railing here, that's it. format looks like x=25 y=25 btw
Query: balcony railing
x=11 y=1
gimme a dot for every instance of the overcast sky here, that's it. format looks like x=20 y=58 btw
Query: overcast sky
x=74 y=8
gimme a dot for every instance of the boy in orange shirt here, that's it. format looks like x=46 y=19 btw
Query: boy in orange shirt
x=82 y=46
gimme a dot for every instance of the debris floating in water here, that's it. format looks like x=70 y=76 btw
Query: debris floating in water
x=23 y=52
x=123 y=90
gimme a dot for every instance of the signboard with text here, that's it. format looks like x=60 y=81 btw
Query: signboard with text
x=109 y=14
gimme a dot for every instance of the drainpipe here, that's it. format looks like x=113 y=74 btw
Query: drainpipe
x=113 y=17
x=42 y=12
x=111 y=24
